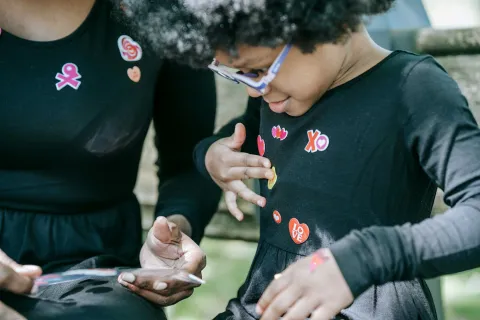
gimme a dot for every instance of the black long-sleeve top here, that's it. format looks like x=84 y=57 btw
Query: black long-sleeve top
x=360 y=170
x=74 y=114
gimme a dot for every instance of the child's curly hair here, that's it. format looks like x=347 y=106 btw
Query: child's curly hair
x=189 y=31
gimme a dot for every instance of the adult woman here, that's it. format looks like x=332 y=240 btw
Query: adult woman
x=82 y=93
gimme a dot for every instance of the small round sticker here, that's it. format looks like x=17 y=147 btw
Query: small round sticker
x=277 y=217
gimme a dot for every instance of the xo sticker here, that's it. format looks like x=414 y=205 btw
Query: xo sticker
x=316 y=141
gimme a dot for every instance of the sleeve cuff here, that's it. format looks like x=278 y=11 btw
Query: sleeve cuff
x=354 y=263
x=200 y=152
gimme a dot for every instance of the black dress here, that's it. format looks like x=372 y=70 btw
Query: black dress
x=358 y=173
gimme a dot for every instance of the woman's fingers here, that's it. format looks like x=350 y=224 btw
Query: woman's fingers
x=162 y=300
x=14 y=282
x=6 y=260
x=29 y=271
x=7 y=313
x=26 y=270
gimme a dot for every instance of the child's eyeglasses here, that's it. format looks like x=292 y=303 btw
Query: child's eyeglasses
x=238 y=77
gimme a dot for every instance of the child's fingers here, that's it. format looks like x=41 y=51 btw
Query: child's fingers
x=245 y=173
x=322 y=313
x=242 y=159
x=280 y=305
x=302 y=308
x=236 y=140
x=276 y=287
x=245 y=193
x=231 y=201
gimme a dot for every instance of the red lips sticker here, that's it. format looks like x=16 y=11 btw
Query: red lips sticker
x=279 y=133
x=261 y=146
x=298 y=232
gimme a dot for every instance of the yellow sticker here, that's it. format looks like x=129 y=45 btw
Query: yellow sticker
x=271 y=182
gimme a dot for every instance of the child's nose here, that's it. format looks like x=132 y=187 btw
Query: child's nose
x=255 y=94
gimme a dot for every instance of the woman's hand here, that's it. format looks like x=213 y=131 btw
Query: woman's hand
x=304 y=289
x=166 y=247
x=228 y=167
x=17 y=279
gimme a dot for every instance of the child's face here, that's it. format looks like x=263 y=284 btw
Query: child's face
x=301 y=80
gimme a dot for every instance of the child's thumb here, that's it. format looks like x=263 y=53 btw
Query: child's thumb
x=238 y=137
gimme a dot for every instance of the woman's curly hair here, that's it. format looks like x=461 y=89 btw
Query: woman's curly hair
x=189 y=31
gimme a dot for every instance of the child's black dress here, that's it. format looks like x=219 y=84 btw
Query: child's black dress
x=370 y=153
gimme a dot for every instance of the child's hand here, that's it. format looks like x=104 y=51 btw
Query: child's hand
x=228 y=167
x=299 y=292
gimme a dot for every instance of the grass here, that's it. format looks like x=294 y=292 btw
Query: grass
x=227 y=266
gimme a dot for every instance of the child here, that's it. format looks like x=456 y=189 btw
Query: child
x=353 y=140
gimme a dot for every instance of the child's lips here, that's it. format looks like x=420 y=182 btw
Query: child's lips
x=278 y=106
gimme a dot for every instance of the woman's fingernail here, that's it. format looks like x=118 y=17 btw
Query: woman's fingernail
x=128 y=277
x=34 y=290
x=260 y=203
x=266 y=164
x=27 y=268
x=258 y=310
x=158 y=285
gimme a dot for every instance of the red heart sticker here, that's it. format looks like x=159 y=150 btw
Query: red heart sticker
x=261 y=146
x=277 y=217
x=298 y=232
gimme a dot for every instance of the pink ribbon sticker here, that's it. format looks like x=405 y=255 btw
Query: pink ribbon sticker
x=68 y=77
